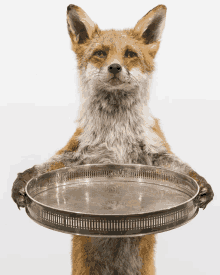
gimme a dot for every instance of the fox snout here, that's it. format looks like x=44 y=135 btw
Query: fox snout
x=111 y=77
x=114 y=68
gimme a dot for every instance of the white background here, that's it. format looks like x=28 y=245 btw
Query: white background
x=38 y=106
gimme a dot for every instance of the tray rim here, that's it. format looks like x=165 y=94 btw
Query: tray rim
x=112 y=165
x=111 y=225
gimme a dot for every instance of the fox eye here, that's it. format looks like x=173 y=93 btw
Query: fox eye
x=130 y=54
x=101 y=54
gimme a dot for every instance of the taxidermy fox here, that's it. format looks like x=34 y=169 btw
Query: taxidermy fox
x=114 y=126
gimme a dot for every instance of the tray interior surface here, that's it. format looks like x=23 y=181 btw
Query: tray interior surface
x=106 y=196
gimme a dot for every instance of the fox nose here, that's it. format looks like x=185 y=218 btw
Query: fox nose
x=114 y=68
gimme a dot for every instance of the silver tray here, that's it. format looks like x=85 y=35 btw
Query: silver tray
x=112 y=200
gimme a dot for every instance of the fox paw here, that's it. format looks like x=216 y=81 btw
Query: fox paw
x=205 y=195
x=18 y=190
x=18 y=193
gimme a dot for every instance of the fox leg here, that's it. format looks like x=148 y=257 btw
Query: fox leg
x=110 y=256
x=78 y=255
x=146 y=247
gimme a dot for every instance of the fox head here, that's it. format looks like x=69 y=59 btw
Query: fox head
x=115 y=67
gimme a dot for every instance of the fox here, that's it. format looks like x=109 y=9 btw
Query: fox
x=114 y=126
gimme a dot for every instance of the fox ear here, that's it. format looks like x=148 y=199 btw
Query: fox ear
x=151 y=26
x=80 y=26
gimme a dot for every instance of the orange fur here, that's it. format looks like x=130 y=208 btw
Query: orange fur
x=55 y=166
x=146 y=248
x=79 y=255
x=158 y=131
x=72 y=144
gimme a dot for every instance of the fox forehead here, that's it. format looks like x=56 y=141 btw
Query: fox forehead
x=114 y=40
x=115 y=43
